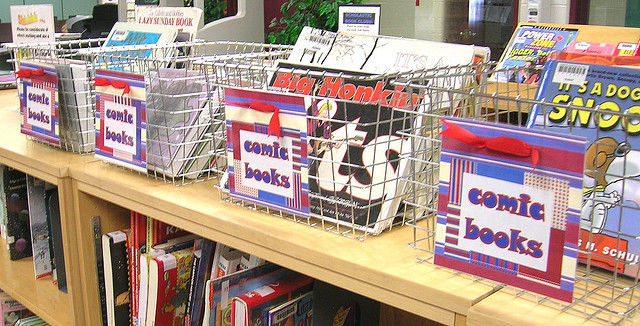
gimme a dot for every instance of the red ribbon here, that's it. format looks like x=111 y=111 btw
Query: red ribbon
x=119 y=84
x=274 y=123
x=26 y=73
x=502 y=144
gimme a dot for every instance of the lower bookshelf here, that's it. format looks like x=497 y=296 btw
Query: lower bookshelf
x=41 y=296
x=383 y=268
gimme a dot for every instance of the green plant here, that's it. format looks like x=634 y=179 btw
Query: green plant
x=214 y=10
x=300 y=13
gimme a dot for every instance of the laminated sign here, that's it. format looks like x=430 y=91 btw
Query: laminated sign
x=39 y=101
x=509 y=205
x=120 y=119
x=267 y=149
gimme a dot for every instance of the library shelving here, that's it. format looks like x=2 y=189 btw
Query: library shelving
x=51 y=165
x=383 y=267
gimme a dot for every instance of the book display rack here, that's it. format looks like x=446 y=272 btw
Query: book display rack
x=359 y=157
x=606 y=279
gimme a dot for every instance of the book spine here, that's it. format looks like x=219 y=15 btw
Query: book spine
x=97 y=245
x=192 y=284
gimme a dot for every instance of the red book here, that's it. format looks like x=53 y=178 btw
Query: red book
x=251 y=308
x=163 y=232
x=138 y=236
x=168 y=288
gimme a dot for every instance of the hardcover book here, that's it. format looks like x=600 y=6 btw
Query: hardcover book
x=137 y=247
x=529 y=47
x=267 y=149
x=53 y=210
x=508 y=205
x=156 y=250
x=40 y=230
x=18 y=227
x=120 y=119
x=609 y=121
x=177 y=123
x=221 y=291
x=252 y=308
x=168 y=288
x=116 y=277
x=202 y=275
x=298 y=311
x=39 y=101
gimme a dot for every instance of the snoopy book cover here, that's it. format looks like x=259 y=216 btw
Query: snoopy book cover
x=610 y=120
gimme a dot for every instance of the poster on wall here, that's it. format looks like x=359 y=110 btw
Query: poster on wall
x=509 y=205
x=359 y=19
x=32 y=23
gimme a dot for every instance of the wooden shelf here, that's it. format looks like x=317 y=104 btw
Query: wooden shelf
x=50 y=164
x=505 y=308
x=383 y=268
x=41 y=296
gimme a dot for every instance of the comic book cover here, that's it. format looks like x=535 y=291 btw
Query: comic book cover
x=610 y=122
x=529 y=47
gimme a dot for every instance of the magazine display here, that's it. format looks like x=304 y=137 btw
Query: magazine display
x=610 y=209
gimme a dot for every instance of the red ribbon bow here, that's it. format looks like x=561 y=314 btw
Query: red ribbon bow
x=26 y=73
x=119 y=84
x=502 y=144
x=274 y=123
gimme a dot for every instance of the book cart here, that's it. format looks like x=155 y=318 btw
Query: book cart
x=601 y=297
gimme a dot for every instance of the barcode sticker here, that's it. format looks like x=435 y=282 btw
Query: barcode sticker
x=570 y=73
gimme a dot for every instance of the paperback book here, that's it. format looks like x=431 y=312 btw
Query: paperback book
x=529 y=47
x=39 y=101
x=509 y=205
x=607 y=115
x=120 y=119
x=130 y=35
x=178 y=121
x=355 y=142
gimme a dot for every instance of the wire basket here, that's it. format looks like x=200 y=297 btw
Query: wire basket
x=75 y=110
x=356 y=152
x=180 y=102
x=605 y=282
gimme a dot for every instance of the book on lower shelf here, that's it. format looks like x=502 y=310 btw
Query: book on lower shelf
x=168 y=288
x=116 y=277
x=297 y=311
x=41 y=239
x=18 y=227
x=252 y=308
x=11 y=310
